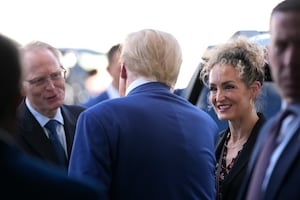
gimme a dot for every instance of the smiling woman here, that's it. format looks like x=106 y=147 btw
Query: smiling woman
x=234 y=74
x=268 y=102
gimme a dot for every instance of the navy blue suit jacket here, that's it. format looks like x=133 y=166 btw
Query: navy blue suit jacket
x=31 y=136
x=27 y=178
x=101 y=97
x=285 y=179
x=151 y=144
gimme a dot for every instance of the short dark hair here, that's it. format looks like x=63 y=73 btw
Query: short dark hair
x=112 y=51
x=287 y=5
x=11 y=77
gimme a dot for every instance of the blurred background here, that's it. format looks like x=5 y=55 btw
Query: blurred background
x=91 y=27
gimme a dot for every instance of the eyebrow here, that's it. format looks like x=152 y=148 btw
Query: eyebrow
x=224 y=83
x=45 y=76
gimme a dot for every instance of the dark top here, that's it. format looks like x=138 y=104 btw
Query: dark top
x=232 y=175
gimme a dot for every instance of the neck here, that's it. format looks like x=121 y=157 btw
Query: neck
x=241 y=130
x=236 y=144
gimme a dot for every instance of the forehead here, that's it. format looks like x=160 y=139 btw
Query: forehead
x=285 y=25
x=223 y=72
x=40 y=57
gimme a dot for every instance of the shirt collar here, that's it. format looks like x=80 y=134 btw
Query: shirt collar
x=42 y=120
x=136 y=83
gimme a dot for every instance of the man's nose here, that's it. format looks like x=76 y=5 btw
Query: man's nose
x=49 y=83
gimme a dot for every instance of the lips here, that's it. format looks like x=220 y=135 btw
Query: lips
x=223 y=107
x=51 y=97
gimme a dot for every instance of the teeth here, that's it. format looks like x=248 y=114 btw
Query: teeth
x=224 y=107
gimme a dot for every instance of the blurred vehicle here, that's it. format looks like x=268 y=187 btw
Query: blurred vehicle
x=262 y=39
x=81 y=65
x=249 y=33
x=268 y=103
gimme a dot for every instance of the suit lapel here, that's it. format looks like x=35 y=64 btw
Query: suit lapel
x=35 y=136
x=69 y=127
x=284 y=163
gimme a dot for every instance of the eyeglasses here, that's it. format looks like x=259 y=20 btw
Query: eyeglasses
x=41 y=81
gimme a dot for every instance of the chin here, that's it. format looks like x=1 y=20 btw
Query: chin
x=222 y=117
x=56 y=104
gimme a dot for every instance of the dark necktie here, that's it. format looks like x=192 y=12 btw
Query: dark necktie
x=51 y=126
x=255 y=186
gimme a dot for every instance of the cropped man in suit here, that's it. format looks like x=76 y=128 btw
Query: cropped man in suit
x=21 y=175
x=279 y=177
x=151 y=143
x=44 y=91
x=113 y=69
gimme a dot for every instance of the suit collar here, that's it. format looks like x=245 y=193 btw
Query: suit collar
x=285 y=161
x=146 y=87
x=136 y=83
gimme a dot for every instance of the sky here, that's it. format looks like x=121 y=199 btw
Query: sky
x=99 y=24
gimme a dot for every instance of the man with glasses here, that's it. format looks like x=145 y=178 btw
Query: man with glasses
x=44 y=93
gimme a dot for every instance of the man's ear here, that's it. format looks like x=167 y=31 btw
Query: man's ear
x=123 y=72
x=122 y=81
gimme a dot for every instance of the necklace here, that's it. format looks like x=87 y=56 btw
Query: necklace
x=239 y=143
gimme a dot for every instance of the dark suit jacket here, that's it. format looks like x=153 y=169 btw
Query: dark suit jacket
x=101 y=97
x=285 y=179
x=31 y=136
x=27 y=178
x=233 y=181
x=151 y=144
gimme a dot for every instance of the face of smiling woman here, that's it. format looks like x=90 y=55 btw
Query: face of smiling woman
x=44 y=83
x=230 y=97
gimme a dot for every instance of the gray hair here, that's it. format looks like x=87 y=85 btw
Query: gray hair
x=152 y=54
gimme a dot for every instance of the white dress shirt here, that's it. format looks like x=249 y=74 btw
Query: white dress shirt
x=42 y=120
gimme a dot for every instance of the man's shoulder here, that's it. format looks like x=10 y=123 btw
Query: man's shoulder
x=33 y=174
x=72 y=108
x=94 y=100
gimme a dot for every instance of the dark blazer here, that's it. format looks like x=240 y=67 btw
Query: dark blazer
x=232 y=182
x=151 y=144
x=28 y=178
x=100 y=97
x=31 y=136
x=285 y=179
